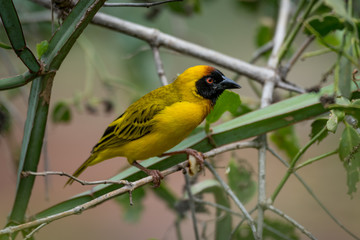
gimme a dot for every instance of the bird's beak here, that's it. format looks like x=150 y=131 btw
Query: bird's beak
x=227 y=83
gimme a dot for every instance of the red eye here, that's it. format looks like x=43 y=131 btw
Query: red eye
x=210 y=80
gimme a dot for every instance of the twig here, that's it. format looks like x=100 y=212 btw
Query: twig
x=191 y=203
x=159 y=65
x=312 y=194
x=234 y=198
x=147 y=5
x=296 y=56
x=240 y=223
x=230 y=147
x=34 y=231
x=82 y=207
x=221 y=207
x=292 y=221
x=82 y=182
x=148 y=34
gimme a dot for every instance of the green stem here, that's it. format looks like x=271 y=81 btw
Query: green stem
x=294 y=161
x=315 y=159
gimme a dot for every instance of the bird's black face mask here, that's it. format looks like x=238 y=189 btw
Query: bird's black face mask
x=213 y=85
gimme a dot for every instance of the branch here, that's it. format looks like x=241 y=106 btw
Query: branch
x=82 y=182
x=129 y=187
x=147 y=5
x=266 y=100
x=159 y=65
x=235 y=199
x=152 y=35
x=191 y=203
x=292 y=221
x=82 y=207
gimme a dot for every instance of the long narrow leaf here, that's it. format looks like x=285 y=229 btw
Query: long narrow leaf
x=278 y=115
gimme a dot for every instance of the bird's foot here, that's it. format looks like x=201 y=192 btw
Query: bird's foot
x=156 y=174
x=199 y=158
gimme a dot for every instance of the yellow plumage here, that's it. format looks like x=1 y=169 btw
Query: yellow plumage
x=161 y=119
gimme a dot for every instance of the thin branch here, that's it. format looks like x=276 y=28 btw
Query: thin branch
x=218 y=206
x=147 y=5
x=187 y=48
x=82 y=207
x=296 y=56
x=159 y=65
x=34 y=231
x=234 y=198
x=312 y=194
x=230 y=147
x=240 y=223
x=191 y=203
x=292 y=221
x=82 y=182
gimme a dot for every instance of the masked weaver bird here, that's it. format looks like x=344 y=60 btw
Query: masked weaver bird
x=161 y=119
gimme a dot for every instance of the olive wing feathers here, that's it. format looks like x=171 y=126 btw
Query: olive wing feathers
x=131 y=125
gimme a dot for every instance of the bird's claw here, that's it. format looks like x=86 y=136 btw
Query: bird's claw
x=157 y=177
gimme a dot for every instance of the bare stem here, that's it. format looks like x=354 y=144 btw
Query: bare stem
x=191 y=203
x=292 y=221
x=234 y=198
x=82 y=207
x=159 y=65
x=147 y=5
x=82 y=182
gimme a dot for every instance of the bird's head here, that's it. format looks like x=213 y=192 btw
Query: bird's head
x=204 y=81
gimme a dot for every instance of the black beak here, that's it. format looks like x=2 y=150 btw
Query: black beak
x=227 y=83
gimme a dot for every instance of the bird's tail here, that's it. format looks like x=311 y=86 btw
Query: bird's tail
x=87 y=163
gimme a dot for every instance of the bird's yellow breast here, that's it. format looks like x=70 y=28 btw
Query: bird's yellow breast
x=172 y=125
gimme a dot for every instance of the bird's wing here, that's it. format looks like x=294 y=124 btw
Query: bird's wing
x=131 y=125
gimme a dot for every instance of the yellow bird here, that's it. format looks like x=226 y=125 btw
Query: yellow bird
x=161 y=119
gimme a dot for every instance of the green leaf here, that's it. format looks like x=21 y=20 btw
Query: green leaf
x=41 y=48
x=285 y=139
x=228 y=101
x=5 y=46
x=317 y=126
x=339 y=8
x=349 y=152
x=356 y=113
x=240 y=181
x=324 y=24
x=132 y=213
x=61 y=113
x=264 y=32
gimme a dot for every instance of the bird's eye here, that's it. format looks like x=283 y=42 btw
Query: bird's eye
x=209 y=80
